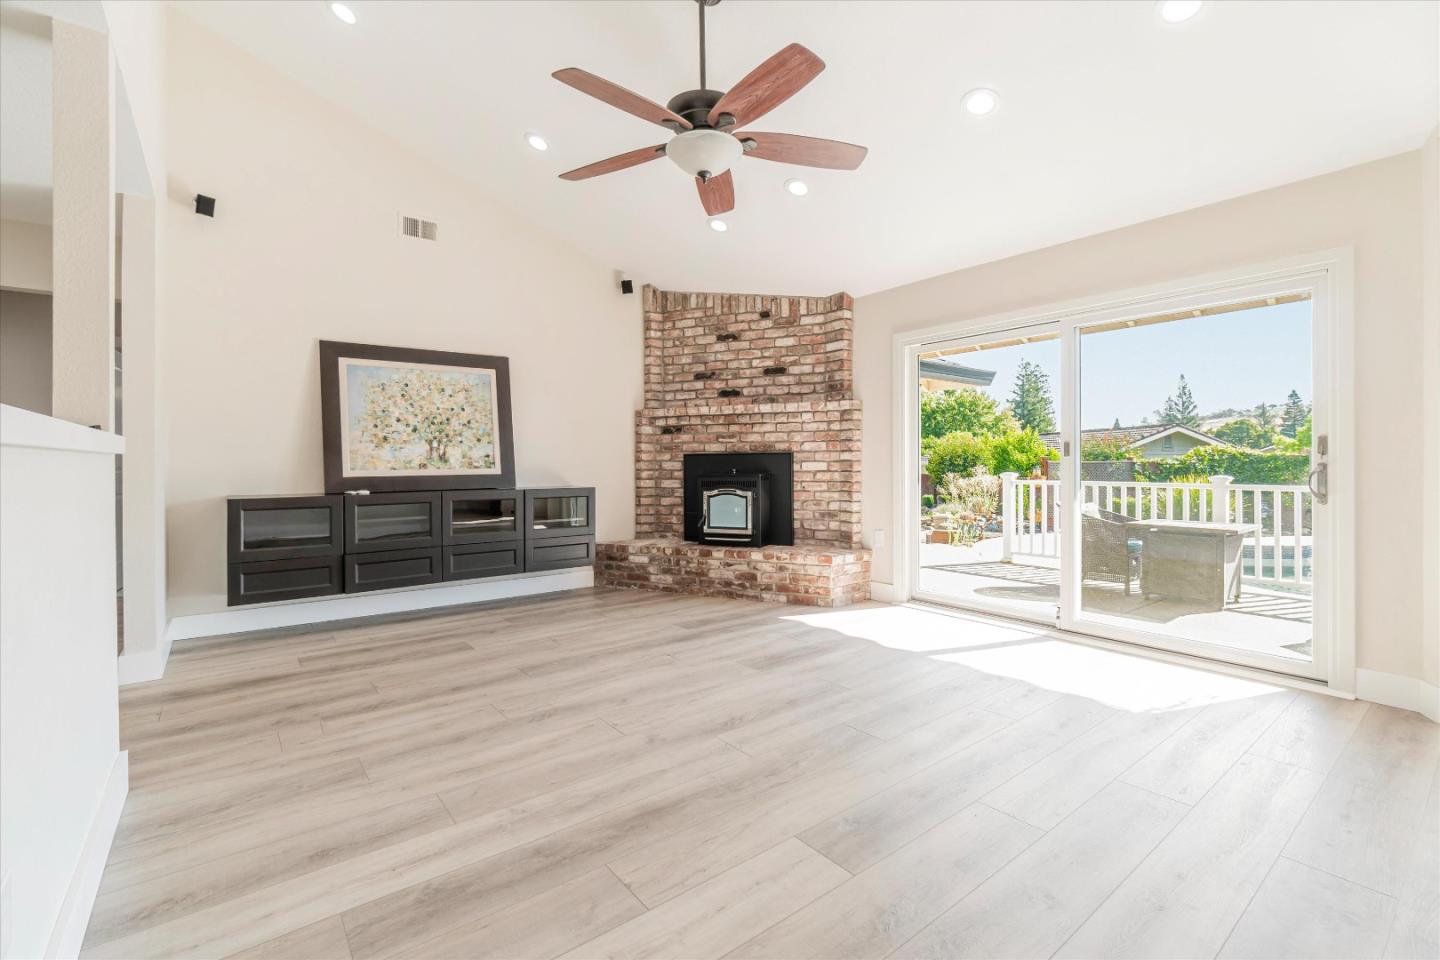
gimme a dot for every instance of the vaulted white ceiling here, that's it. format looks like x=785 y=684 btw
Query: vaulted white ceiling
x=1108 y=116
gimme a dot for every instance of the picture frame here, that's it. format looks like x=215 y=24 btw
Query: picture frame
x=398 y=419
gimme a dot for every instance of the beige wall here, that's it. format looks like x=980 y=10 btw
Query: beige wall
x=305 y=246
x=1374 y=207
x=25 y=256
x=25 y=350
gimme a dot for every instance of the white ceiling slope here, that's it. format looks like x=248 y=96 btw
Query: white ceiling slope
x=1108 y=116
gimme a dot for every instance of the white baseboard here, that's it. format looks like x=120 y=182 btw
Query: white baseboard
x=142 y=666
x=1393 y=690
x=70 y=925
x=301 y=612
x=884 y=592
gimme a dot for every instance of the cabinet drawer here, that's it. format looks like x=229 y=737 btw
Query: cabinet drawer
x=265 y=581
x=556 y=553
x=488 y=560
x=566 y=513
x=283 y=528
x=482 y=516
x=391 y=521
x=394 y=568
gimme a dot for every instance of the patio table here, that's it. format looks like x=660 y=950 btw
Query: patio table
x=1191 y=560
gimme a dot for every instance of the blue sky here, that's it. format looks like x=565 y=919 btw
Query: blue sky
x=1230 y=360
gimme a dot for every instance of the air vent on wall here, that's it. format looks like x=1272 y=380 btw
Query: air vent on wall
x=418 y=228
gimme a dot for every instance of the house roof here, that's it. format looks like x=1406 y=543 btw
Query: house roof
x=955 y=373
x=1135 y=436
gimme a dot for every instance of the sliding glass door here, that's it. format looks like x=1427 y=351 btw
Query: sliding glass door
x=1153 y=473
x=989 y=507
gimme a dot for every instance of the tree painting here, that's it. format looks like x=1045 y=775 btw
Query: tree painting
x=411 y=418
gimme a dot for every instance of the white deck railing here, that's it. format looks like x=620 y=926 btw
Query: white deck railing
x=1278 y=553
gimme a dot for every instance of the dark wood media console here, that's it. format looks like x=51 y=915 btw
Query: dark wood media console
x=290 y=548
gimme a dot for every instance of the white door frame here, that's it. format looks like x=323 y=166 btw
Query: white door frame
x=1328 y=275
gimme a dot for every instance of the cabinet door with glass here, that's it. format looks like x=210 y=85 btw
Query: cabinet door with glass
x=282 y=528
x=391 y=521
x=482 y=516
x=560 y=512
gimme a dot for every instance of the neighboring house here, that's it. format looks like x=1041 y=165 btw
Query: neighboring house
x=1149 y=442
x=938 y=374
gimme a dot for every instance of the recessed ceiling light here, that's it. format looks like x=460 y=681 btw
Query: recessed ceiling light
x=536 y=142
x=1178 y=11
x=718 y=225
x=797 y=188
x=981 y=101
x=343 y=12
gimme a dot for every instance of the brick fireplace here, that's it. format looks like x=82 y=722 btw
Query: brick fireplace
x=738 y=373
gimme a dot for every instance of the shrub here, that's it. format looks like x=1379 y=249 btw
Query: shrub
x=955 y=453
x=1246 y=466
x=1019 y=451
x=927 y=502
x=977 y=496
x=1105 y=448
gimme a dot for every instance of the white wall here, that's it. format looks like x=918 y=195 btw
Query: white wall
x=305 y=246
x=1374 y=207
x=25 y=256
x=1430 y=439
x=62 y=777
x=25 y=350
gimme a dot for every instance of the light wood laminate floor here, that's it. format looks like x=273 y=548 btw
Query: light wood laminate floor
x=626 y=774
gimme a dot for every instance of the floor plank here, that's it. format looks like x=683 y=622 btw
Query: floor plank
x=1040 y=898
x=719 y=915
x=1300 y=912
x=1183 y=899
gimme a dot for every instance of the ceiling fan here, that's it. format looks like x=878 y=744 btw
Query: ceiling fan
x=704 y=122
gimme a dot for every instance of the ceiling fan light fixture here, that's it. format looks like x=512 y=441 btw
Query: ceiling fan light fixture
x=537 y=142
x=343 y=13
x=796 y=187
x=718 y=225
x=981 y=101
x=1178 y=11
x=708 y=151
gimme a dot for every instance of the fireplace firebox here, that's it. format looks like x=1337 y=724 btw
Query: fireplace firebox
x=743 y=499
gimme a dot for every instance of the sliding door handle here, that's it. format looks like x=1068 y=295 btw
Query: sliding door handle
x=1319 y=483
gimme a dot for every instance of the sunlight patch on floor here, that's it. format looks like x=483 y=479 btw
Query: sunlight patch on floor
x=1132 y=683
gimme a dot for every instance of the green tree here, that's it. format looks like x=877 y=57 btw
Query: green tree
x=1180 y=407
x=1265 y=416
x=1245 y=432
x=1116 y=424
x=961 y=411
x=1294 y=415
x=1030 y=401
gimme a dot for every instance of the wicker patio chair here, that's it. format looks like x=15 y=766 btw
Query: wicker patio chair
x=1107 y=552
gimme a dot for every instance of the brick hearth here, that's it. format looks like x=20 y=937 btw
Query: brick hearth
x=731 y=373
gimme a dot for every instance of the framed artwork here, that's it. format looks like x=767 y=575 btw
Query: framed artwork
x=400 y=419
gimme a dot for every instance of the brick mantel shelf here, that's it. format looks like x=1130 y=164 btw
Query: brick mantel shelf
x=733 y=373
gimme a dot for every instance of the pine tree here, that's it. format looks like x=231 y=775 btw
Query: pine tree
x=1180 y=408
x=1116 y=424
x=1265 y=416
x=1294 y=415
x=1030 y=401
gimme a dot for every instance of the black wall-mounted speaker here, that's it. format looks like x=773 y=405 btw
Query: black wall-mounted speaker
x=627 y=286
x=205 y=206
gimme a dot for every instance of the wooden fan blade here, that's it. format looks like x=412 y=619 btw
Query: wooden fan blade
x=618 y=96
x=717 y=193
x=632 y=159
x=768 y=85
x=805 y=151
